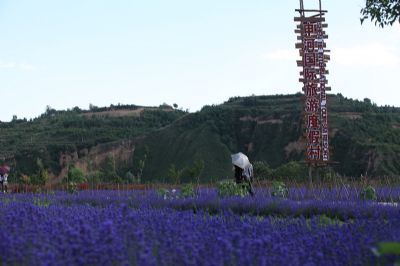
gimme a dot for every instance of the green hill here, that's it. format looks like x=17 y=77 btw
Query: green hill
x=365 y=139
x=159 y=144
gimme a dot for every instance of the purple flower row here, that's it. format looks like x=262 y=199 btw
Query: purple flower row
x=128 y=228
x=208 y=201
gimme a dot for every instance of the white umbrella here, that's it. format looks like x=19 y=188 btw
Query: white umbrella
x=240 y=160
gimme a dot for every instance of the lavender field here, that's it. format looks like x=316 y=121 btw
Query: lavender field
x=310 y=227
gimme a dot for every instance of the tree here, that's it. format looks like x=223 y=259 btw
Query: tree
x=42 y=174
x=129 y=177
x=193 y=172
x=75 y=175
x=383 y=12
x=141 y=165
x=174 y=174
x=367 y=100
x=109 y=171
x=49 y=111
x=93 y=107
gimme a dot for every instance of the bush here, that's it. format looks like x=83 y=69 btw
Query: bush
x=94 y=178
x=388 y=249
x=75 y=175
x=262 y=170
x=25 y=179
x=188 y=191
x=72 y=187
x=292 y=169
x=279 y=189
x=228 y=188
x=131 y=179
x=368 y=193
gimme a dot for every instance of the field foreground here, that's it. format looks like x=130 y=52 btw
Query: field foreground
x=143 y=228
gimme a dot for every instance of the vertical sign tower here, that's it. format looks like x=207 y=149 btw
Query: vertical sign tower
x=312 y=47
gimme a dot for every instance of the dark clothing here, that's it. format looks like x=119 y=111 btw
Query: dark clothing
x=238 y=175
x=241 y=178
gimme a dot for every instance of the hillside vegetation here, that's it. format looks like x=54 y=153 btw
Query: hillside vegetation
x=365 y=139
x=132 y=143
x=60 y=139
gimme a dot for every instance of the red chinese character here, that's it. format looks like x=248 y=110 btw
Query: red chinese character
x=314 y=153
x=311 y=89
x=312 y=105
x=312 y=121
x=314 y=137
x=309 y=59
x=310 y=74
x=309 y=45
x=308 y=28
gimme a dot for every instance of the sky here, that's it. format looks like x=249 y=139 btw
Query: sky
x=67 y=53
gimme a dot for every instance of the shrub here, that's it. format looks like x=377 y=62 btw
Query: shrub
x=385 y=249
x=25 y=179
x=131 y=179
x=188 y=191
x=279 y=189
x=368 y=193
x=291 y=169
x=262 y=170
x=75 y=175
x=94 y=177
x=228 y=188
x=72 y=187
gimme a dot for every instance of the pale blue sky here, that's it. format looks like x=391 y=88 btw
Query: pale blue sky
x=72 y=53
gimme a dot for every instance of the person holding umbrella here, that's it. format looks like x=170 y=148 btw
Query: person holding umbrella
x=243 y=170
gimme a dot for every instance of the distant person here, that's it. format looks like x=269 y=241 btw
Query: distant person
x=4 y=185
x=243 y=170
x=2 y=182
